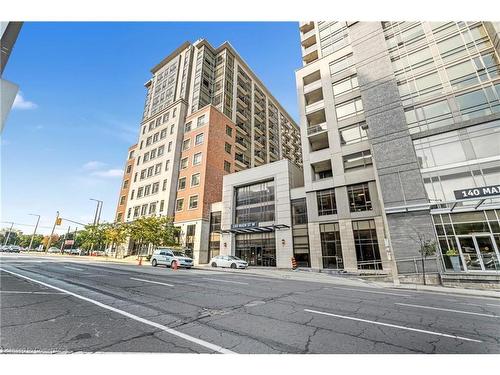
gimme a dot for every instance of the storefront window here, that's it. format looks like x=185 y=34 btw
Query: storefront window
x=365 y=241
x=331 y=246
x=215 y=227
x=258 y=249
x=300 y=232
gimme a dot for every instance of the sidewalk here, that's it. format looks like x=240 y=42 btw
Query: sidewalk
x=108 y=259
x=349 y=280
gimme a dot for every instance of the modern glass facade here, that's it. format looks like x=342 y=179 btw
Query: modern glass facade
x=258 y=249
x=255 y=203
x=215 y=226
x=365 y=240
x=300 y=233
x=331 y=247
x=469 y=241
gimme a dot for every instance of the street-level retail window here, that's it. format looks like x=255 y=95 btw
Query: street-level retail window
x=258 y=249
x=469 y=241
x=366 y=243
x=331 y=247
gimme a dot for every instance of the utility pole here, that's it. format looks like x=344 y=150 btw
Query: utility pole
x=8 y=234
x=97 y=217
x=74 y=238
x=52 y=233
x=65 y=238
x=34 y=232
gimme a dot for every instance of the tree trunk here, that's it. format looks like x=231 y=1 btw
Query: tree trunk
x=423 y=268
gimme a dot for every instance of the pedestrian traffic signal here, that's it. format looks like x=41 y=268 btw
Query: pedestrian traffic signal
x=59 y=221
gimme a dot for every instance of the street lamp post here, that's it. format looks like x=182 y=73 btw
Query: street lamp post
x=8 y=234
x=52 y=233
x=34 y=232
x=97 y=217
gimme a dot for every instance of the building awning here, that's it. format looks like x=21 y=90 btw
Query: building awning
x=269 y=228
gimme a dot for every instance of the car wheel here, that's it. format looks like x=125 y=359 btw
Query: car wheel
x=154 y=263
x=188 y=268
x=214 y=264
x=233 y=265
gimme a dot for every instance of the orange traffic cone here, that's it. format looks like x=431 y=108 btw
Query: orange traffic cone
x=294 y=263
x=140 y=261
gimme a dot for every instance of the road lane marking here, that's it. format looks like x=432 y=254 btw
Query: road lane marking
x=151 y=281
x=74 y=268
x=370 y=291
x=206 y=344
x=392 y=325
x=22 y=292
x=443 y=309
x=493 y=304
x=225 y=281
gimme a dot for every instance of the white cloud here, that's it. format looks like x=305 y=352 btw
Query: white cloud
x=109 y=173
x=93 y=165
x=21 y=103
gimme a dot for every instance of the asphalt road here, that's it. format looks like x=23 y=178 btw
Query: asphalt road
x=52 y=305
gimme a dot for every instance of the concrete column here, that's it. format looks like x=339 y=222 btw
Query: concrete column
x=315 y=246
x=348 y=247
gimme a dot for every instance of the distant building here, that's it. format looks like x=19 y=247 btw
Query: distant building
x=8 y=35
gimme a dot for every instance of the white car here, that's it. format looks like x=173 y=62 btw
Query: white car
x=168 y=257
x=53 y=249
x=228 y=261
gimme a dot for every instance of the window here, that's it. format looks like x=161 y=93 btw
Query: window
x=152 y=208
x=331 y=247
x=140 y=192
x=122 y=199
x=161 y=150
x=182 y=183
x=195 y=180
x=299 y=211
x=150 y=171
x=131 y=154
x=199 y=139
x=326 y=202
x=129 y=168
x=358 y=160
x=163 y=133
x=187 y=127
x=149 y=140
x=193 y=202
x=200 y=121
x=365 y=241
x=167 y=164
x=165 y=116
x=144 y=209
x=143 y=174
x=162 y=205
x=345 y=86
x=227 y=147
x=132 y=194
x=197 y=158
x=135 y=176
x=147 y=190
x=255 y=203
x=353 y=133
x=146 y=157
x=184 y=163
x=186 y=144
x=348 y=109
x=341 y=65
x=125 y=184
x=164 y=186
x=157 y=168
x=136 y=211
x=169 y=146
x=155 y=188
x=151 y=125
x=229 y=131
x=153 y=154
x=129 y=212
x=227 y=166
x=359 y=197
x=156 y=136
x=171 y=129
x=179 y=204
x=174 y=112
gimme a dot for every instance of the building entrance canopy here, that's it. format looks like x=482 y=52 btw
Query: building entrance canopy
x=264 y=229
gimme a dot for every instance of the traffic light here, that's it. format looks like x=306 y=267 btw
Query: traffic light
x=59 y=221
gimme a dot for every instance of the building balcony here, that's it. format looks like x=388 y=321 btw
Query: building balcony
x=241 y=143
x=259 y=107
x=312 y=86
x=307 y=35
x=310 y=40
x=260 y=128
x=314 y=107
x=314 y=129
x=242 y=88
x=242 y=160
x=310 y=56
x=241 y=115
x=241 y=102
x=306 y=26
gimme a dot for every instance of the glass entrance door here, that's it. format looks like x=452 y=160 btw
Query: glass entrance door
x=478 y=252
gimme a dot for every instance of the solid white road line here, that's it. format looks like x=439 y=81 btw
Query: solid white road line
x=392 y=325
x=225 y=281
x=451 y=310
x=151 y=281
x=369 y=291
x=74 y=268
x=184 y=336
x=493 y=304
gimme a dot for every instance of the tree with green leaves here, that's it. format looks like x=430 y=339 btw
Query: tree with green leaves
x=154 y=230
x=427 y=247
x=115 y=234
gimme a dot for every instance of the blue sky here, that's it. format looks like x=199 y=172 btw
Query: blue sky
x=81 y=100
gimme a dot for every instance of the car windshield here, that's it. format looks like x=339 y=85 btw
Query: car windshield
x=233 y=257
x=179 y=254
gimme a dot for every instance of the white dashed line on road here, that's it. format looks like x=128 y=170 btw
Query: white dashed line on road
x=151 y=281
x=370 y=291
x=74 y=268
x=392 y=325
x=225 y=281
x=23 y=292
x=450 y=310
x=206 y=344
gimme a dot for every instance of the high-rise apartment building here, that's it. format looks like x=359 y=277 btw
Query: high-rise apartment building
x=206 y=114
x=400 y=126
